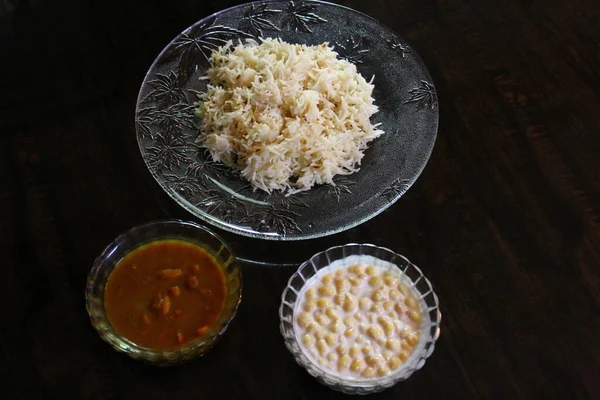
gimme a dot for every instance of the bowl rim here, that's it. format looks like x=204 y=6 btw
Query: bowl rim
x=132 y=349
x=252 y=233
x=367 y=385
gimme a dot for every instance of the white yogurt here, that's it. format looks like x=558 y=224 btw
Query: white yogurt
x=358 y=318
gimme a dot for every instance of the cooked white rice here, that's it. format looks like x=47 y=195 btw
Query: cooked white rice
x=288 y=116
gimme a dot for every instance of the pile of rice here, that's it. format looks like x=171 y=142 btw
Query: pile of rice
x=288 y=116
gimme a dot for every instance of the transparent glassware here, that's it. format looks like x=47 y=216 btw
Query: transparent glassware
x=143 y=234
x=413 y=278
x=403 y=91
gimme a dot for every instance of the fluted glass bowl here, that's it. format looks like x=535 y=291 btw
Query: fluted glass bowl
x=144 y=234
x=414 y=279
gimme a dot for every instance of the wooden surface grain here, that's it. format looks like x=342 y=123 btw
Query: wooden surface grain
x=504 y=220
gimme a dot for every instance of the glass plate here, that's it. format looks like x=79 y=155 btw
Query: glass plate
x=167 y=127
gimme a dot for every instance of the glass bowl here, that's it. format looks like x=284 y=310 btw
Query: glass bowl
x=413 y=278
x=143 y=234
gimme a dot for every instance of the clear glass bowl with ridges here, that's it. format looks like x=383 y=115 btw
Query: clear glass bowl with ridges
x=430 y=328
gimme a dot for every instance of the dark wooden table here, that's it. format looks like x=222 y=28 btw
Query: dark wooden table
x=504 y=220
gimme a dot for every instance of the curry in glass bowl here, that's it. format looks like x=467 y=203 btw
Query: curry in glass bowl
x=164 y=292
